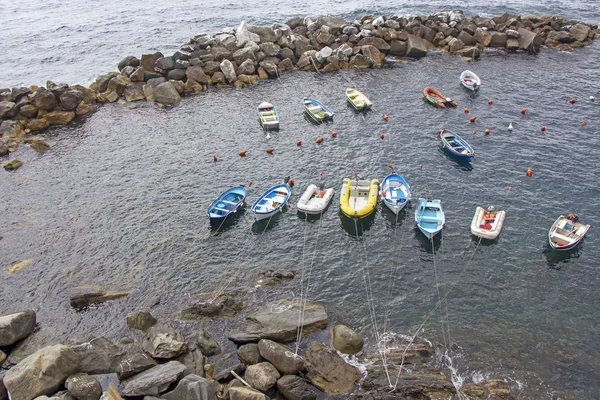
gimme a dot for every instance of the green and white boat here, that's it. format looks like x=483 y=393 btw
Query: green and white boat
x=316 y=110
x=358 y=100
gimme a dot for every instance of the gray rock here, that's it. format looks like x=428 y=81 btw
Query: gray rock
x=246 y=393
x=270 y=49
x=483 y=36
x=220 y=53
x=247 y=67
x=392 y=24
x=133 y=363
x=397 y=48
x=140 y=320
x=335 y=23
x=244 y=54
x=3 y=392
x=580 y=32
x=529 y=41
x=293 y=387
x=498 y=39
x=8 y=109
x=325 y=38
x=207 y=344
x=511 y=33
x=249 y=354
x=471 y=52
x=350 y=30
x=243 y=35
x=344 y=50
x=98 y=356
x=415 y=47
x=228 y=70
x=44 y=99
x=17 y=326
x=378 y=22
x=262 y=376
x=165 y=63
x=193 y=360
x=278 y=321
x=129 y=61
x=57 y=88
x=455 y=45
x=282 y=357
x=71 y=99
x=346 y=340
x=164 y=342
x=3 y=152
x=226 y=41
x=265 y=33
x=361 y=61
x=177 y=74
x=134 y=92
x=153 y=381
x=328 y=371
x=192 y=387
x=83 y=387
x=166 y=93
x=378 y=43
x=512 y=44
x=467 y=26
x=467 y=39
x=561 y=36
x=372 y=53
x=84 y=296
x=322 y=54
x=225 y=375
x=42 y=373
x=269 y=67
x=197 y=74
x=150 y=75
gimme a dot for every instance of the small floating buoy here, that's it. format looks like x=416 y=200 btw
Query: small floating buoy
x=529 y=172
x=572 y=101
x=385 y=117
x=250 y=183
x=466 y=110
x=543 y=128
x=215 y=158
x=472 y=119
x=270 y=150
x=510 y=188
x=420 y=165
x=523 y=110
x=319 y=140
x=490 y=102
x=299 y=143
x=510 y=128
x=592 y=98
x=439 y=131
x=242 y=153
x=333 y=133
x=487 y=131
x=583 y=123
x=291 y=182
x=381 y=136
x=474 y=132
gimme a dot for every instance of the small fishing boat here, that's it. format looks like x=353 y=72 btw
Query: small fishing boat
x=314 y=200
x=487 y=224
x=455 y=145
x=567 y=232
x=358 y=100
x=358 y=197
x=437 y=99
x=395 y=192
x=470 y=80
x=228 y=203
x=267 y=115
x=430 y=217
x=271 y=202
x=316 y=110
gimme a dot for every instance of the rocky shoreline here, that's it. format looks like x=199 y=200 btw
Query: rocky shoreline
x=163 y=363
x=242 y=56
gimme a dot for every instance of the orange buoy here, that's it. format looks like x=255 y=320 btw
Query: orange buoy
x=439 y=131
x=321 y=173
x=299 y=143
x=420 y=165
x=291 y=182
x=466 y=110
x=490 y=102
x=474 y=132
x=510 y=188
x=523 y=110
x=333 y=133
x=319 y=140
x=391 y=166
x=529 y=172
x=385 y=117
x=572 y=101
x=583 y=123
x=242 y=153
x=472 y=119
x=381 y=136
x=487 y=131
x=215 y=158
x=270 y=150
x=543 y=128
x=250 y=183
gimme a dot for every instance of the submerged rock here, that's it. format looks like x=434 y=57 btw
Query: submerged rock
x=84 y=296
x=224 y=306
x=207 y=344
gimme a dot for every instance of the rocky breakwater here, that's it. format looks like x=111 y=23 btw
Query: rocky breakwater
x=242 y=56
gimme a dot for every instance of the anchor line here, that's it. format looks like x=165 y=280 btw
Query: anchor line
x=437 y=286
x=302 y=265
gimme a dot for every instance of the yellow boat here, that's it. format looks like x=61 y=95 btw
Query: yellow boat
x=359 y=197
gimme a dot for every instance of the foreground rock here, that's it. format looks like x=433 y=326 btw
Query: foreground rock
x=207 y=344
x=98 y=356
x=164 y=342
x=295 y=388
x=17 y=326
x=192 y=387
x=285 y=360
x=153 y=381
x=279 y=321
x=262 y=376
x=346 y=340
x=42 y=373
x=11 y=165
x=83 y=387
x=328 y=371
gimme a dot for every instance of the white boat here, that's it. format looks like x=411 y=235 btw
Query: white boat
x=268 y=116
x=567 y=232
x=357 y=99
x=271 y=202
x=430 y=217
x=395 y=192
x=315 y=200
x=470 y=80
x=487 y=224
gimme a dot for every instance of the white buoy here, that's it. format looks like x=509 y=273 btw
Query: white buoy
x=592 y=98
x=510 y=127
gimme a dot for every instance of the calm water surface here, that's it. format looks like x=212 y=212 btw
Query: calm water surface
x=120 y=201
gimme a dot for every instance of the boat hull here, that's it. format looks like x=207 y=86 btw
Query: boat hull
x=436 y=98
x=268 y=116
x=429 y=217
x=271 y=201
x=395 y=192
x=367 y=192
x=479 y=219
x=358 y=100
x=314 y=201
x=566 y=235
x=456 y=146
x=226 y=205
x=470 y=80
x=317 y=111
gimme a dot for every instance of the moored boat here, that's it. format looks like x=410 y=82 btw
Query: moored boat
x=470 y=80
x=271 y=201
x=567 y=232
x=395 y=192
x=430 y=217
x=487 y=224
x=268 y=116
x=358 y=100
x=455 y=145
x=358 y=197
x=437 y=99
x=315 y=200
x=227 y=204
x=316 y=110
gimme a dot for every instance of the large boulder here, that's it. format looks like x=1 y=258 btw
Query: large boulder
x=249 y=354
x=265 y=33
x=133 y=363
x=84 y=296
x=243 y=35
x=361 y=61
x=483 y=36
x=197 y=74
x=270 y=49
x=528 y=40
x=153 y=381
x=83 y=387
x=466 y=38
x=470 y=52
x=8 y=109
x=282 y=357
x=262 y=376
x=129 y=61
x=207 y=344
x=293 y=387
x=278 y=321
x=498 y=39
x=164 y=342
x=134 y=92
x=44 y=99
x=580 y=32
x=165 y=63
x=247 y=67
x=415 y=47
x=166 y=93
x=42 y=373
x=328 y=371
x=71 y=99
x=397 y=48
x=246 y=393
x=59 y=117
x=455 y=45
x=192 y=387
x=140 y=320
x=228 y=70
x=561 y=36
x=244 y=54
x=98 y=356
x=372 y=53
x=379 y=43
x=17 y=326
x=346 y=340
x=193 y=360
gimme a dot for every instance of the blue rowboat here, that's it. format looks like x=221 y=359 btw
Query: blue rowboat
x=395 y=192
x=456 y=146
x=316 y=110
x=271 y=202
x=430 y=217
x=228 y=203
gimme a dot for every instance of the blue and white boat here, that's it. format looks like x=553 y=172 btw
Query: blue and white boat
x=567 y=232
x=470 y=80
x=430 y=217
x=268 y=116
x=316 y=110
x=228 y=203
x=271 y=202
x=455 y=145
x=395 y=192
